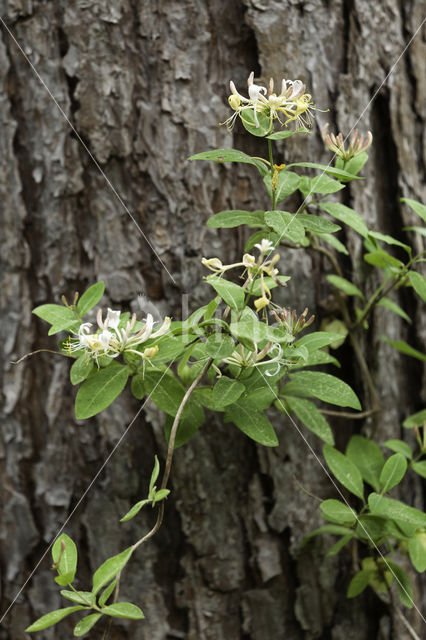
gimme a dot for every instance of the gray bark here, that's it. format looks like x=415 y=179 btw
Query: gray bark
x=144 y=82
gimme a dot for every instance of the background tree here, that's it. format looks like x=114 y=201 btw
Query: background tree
x=144 y=83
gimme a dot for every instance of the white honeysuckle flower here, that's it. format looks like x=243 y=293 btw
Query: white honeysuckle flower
x=113 y=319
x=255 y=92
x=248 y=260
x=293 y=102
x=246 y=359
x=111 y=341
x=264 y=246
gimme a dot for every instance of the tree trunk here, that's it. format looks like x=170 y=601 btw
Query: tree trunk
x=144 y=83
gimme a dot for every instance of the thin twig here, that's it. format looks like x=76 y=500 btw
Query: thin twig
x=408 y=626
x=349 y=414
x=33 y=353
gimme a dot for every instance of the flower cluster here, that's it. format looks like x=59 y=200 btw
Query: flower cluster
x=264 y=265
x=292 y=102
x=246 y=359
x=292 y=322
x=110 y=339
x=336 y=144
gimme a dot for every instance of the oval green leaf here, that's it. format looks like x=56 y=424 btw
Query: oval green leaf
x=52 y=618
x=100 y=390
x=90 y=298
x=344 y=470
x=393 y=472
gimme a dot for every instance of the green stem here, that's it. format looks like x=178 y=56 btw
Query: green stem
x=381 y=291
x=271 y=163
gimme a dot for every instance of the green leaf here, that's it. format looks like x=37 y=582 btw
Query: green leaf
x=60 y=317
x=87 y=623
x=231 y=293
x=415 y=420
x=253 y=423
x=319 y=357
x=169 y=349
x=392 y=306
x=81 y=368
x=389 y=240
x=134 y=510
x=344 y=470
x=323 y=386
x=165 y=391
x=230 y=155
x=418 y=282
x=100 y=390
x=358 y=583
x=52 y=618
x=419 y=467
x=346 y=215
x=316 y=224
x=420 y=230
x=219 y=345
x=396 y=510
x=137 y=386
x=226 y=391
x=417 y=207
x=80 y=597
x=321 y=184
x=191 y=421
x=249 y=123
x=333 y=529
x=335 y=243
x=90 y=298
x=123 y=610
x=405 y=348
x=345 y=285
x=258 y=394
x=403 y=584
x=109 y=569
x=382 y=259
x=367 y=457
x=159 y=495
x=399 y=447
x=354 y=165
x=258 y=237
x=106 y=593
x=286 y=225
x=235 y=218
x=337 y=511
x=288 y=182
x=417 y=551
x=282 y=135
x=333 y=171
x=339 y=545
x=339 y=328
x=393 y=471
x=154 y=476
x=67 y=558
x=308 y=413
x=317 y=340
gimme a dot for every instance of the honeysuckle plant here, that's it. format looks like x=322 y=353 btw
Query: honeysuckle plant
x=241 y=355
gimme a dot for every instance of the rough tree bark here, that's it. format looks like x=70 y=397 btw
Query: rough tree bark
x=144 y=82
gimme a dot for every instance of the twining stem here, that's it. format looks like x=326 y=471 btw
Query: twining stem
x=169 y=459
x=170 y=451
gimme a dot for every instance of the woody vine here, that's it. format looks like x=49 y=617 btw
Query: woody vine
x=241 y=354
